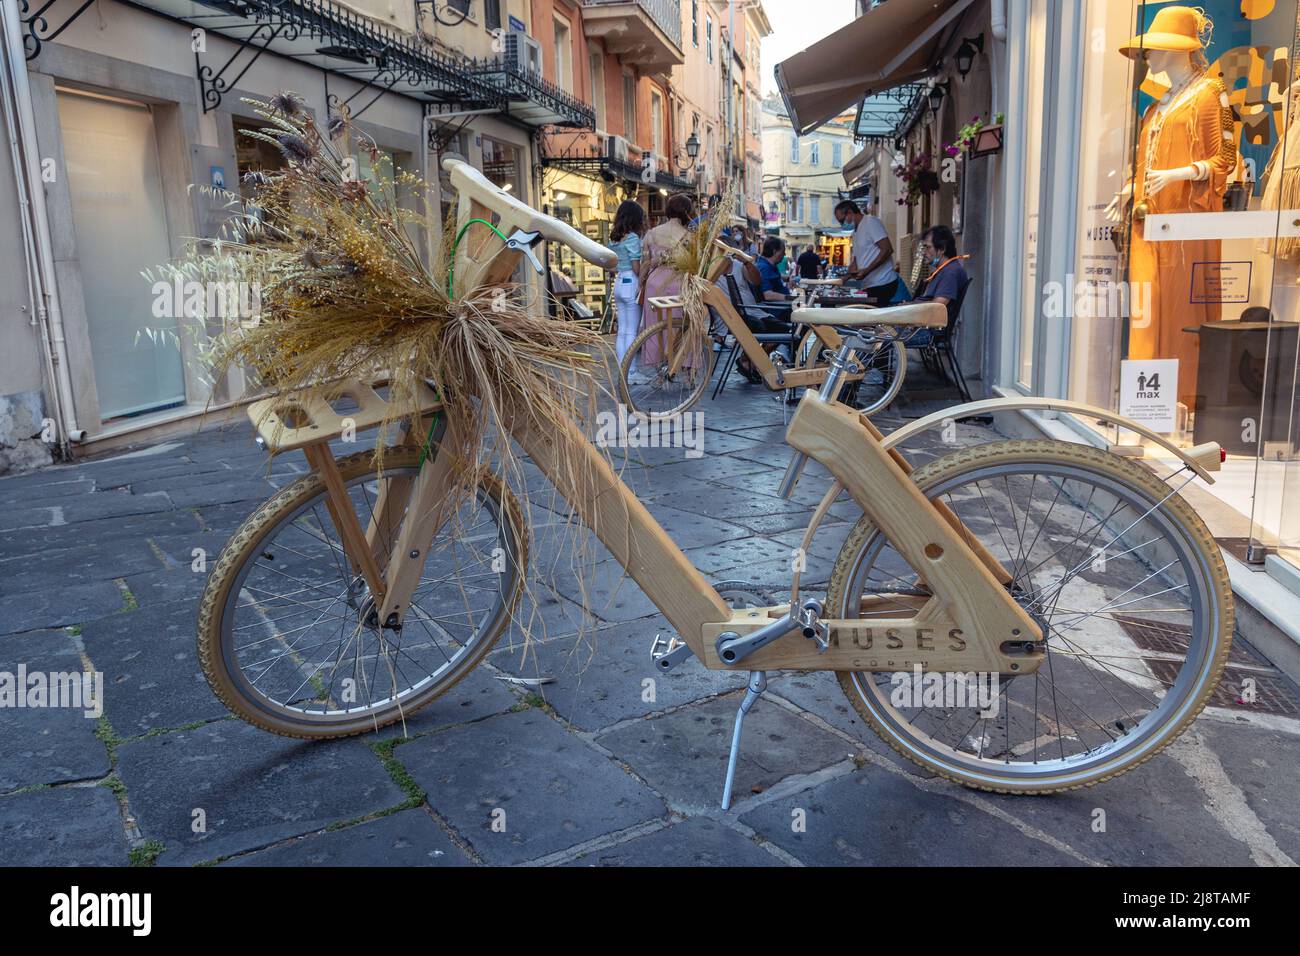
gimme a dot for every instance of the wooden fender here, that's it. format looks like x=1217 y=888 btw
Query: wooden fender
x=1202 y=459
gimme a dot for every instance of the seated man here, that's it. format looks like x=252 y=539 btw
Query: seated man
x=772 y=286
x=939 y=247
x=747 y=279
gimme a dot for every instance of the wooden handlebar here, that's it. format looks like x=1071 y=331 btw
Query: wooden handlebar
x=516 y=214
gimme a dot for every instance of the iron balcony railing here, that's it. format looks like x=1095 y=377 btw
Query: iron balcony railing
x=511 y=73
x=666 y=14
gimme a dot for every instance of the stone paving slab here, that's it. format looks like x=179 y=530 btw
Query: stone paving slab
x=72 y=567
x=1155 y=814
x=603 y=679
x=683 y=754
x=878 y=818
x=51 y=744
x=107 y=531
x=819 y=692
x=93 y=507
x=166 y=586
x=554 y=789
x=151 y=673
x=698 y=841
x=254 y=788
x=55 y=606
x=62 y=826
x=1266 y=766
x=405 y=838
x=480 y=694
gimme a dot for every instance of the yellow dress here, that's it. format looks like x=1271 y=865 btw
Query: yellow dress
x=1196 y=128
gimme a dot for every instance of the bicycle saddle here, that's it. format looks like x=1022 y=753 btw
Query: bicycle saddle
x=927 y=314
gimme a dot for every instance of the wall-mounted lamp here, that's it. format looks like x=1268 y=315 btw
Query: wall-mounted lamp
x=966 y=53
x=936 y=95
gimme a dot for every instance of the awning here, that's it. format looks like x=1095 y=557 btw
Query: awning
x=858 y=166
x=892 y=43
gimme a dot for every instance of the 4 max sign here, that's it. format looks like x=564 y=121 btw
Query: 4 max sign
x=1148 y=393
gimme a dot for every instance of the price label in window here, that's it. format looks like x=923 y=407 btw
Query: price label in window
x=1148 y=393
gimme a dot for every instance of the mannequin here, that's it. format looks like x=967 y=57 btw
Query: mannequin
x=1186 y=151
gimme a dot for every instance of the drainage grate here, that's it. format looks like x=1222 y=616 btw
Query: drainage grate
x=1272 y=694
x=1163 y=637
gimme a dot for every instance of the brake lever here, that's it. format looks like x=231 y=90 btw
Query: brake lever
x=523 y=242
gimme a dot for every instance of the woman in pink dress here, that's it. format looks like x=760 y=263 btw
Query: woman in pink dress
x=658 y=277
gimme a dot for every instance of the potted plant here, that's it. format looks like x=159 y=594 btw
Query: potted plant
x=977 y=138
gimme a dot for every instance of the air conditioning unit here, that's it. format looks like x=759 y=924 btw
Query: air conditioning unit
x=523 y=53
x=617 y=149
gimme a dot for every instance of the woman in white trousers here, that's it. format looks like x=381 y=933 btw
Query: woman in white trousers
x=625 y=240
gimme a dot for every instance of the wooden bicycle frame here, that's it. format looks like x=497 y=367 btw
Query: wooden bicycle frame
x=753 y=349
x=969 y=623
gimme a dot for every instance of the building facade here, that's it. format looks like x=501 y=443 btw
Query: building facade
x=803 y=178
x=115 y=110
x=657 y=74
x=1028 y=127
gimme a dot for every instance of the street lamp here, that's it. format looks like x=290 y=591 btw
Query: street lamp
x=692 y=150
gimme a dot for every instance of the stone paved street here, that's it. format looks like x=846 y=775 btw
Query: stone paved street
x=95 y=571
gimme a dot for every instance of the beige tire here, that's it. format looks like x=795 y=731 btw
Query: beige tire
x=283 y=529
x=1110 y=653
x=664 y=396
x=877 y=387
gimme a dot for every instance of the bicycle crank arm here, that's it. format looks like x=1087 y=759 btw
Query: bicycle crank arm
x=732 y=647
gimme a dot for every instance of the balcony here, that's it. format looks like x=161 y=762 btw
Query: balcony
x=647 y=33
x=528 y=97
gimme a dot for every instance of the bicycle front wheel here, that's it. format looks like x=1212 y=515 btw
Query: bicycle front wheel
x=286 y=634
x=660 y=379
x=1120 y=573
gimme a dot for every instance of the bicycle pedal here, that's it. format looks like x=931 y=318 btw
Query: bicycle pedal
x=668 y=653
x=812 y=626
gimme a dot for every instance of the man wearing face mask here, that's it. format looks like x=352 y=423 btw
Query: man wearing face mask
x=873 y=254
x=948 y=275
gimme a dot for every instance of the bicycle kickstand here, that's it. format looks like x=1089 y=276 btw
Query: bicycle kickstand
x=757 y=684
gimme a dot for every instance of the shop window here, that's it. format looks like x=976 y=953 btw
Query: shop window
x=115 y=183
x=1187 y=263
x=563 y=52
x=1029 y=312
x=501 y=165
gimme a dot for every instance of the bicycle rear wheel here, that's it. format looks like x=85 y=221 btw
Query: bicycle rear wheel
x=285 y=635
x=884 y=366
x=1115 y=567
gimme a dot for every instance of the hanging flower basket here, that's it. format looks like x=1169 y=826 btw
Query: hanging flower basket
x=919 y=177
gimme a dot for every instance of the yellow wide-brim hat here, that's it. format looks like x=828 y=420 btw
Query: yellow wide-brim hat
x=1173 y=28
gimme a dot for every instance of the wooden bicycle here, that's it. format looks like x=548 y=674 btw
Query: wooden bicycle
x=1086 y=591
x=665 y=372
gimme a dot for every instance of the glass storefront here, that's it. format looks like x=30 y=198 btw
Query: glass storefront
x=1183 y=306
